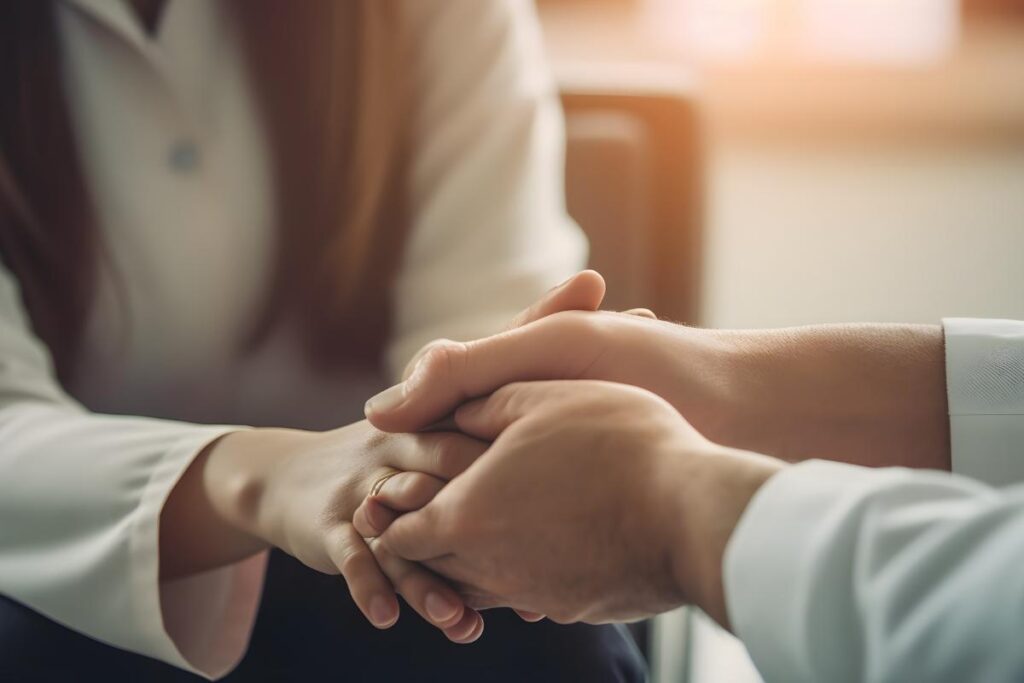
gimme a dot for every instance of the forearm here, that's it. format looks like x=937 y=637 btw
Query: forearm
x=871 y=395
x=211 y=518
x=712 y=491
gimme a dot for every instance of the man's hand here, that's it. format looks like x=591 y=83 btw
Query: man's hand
x=596 y=502
x=867 y=394
x=584 y=291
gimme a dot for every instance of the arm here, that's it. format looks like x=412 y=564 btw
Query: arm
x=915 y=575
x=832 y=572
x=490 y=232
x=844 y=574
x=106 y=521
x=867 y=394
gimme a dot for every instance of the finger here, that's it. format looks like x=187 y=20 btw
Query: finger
x=531 y=617
x=417 y=536
x=371 y=518
x=487 y=418
x=411 y=365
x=426 y=593
x=444 y=455
x=561 y=346
x=642 y=313
x=370 y=589
x=467 y=630
x=402 y=492
x=584 y=291
x=409 y=491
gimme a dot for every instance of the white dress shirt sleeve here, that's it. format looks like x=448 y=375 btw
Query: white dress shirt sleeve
x=80 y=502
x=490 y=231
x=985 y=385
x=840 y=573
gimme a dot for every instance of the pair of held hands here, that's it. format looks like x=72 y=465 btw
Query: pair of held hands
x=568 y=495
x=596 y=468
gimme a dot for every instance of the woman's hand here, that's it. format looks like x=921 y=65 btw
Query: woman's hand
x=596 y=502
x=867 y=394
x=298 y=490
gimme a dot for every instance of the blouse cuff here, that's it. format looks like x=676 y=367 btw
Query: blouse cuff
x=200 y=623
x=985 y=387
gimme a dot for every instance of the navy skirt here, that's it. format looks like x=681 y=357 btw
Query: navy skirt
x=308 y=629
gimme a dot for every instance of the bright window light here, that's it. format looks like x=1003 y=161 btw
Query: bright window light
x=865 y=31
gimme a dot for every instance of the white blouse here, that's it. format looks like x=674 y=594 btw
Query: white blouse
x=177 y=165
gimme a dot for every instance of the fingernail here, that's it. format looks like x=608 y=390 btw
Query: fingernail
x=440 y=608
x=385 y=401
x=382 y=612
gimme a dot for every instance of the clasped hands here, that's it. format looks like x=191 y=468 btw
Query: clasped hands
x=613 y=454
x=581 y=508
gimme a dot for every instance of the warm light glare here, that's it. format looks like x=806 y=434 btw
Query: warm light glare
x=885 y=31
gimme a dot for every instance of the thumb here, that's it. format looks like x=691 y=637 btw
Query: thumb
x=584 y=291
x=451 y=372
x=417 y=536
x=486 y=418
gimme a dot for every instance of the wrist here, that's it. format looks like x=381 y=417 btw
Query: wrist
x=867 y=394
x=240 y=471
x=210 y=518
x=714 y=489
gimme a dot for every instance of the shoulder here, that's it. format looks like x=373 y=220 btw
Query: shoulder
x=477 y=43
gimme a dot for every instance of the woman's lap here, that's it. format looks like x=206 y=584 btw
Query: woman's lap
x=308 y=629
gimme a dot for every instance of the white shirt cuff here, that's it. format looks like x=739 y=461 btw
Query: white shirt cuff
x=985 y=387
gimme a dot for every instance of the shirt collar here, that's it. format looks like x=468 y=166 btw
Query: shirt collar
x=115 y=15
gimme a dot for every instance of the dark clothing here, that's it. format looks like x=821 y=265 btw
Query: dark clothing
x=309 y=629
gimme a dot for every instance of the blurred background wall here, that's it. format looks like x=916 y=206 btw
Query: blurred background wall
x=857 y=160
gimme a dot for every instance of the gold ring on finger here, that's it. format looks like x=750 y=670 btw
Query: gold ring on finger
x=379 y=484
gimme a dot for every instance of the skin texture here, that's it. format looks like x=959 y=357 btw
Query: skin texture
x=295 y=490
x=870 y=395
x=550 y=520
x=591 y=505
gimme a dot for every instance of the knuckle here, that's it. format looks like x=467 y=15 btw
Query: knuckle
x=375 y=440
x=512 y=397
x=444 y=357
x=571 y=321
x=381 y=553
x=414 y=486
x=450 y=455
x=643 y=313
x=562 y=617
x=352 y=563
x=443 y=453
x=583 y=328
x=349 y=549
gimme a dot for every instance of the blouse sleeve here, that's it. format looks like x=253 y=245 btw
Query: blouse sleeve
x=80 y=502
x=490 y=231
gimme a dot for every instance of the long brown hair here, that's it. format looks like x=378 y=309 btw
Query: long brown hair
x=330 y=78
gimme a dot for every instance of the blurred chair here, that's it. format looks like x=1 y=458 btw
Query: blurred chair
x=634 y=183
